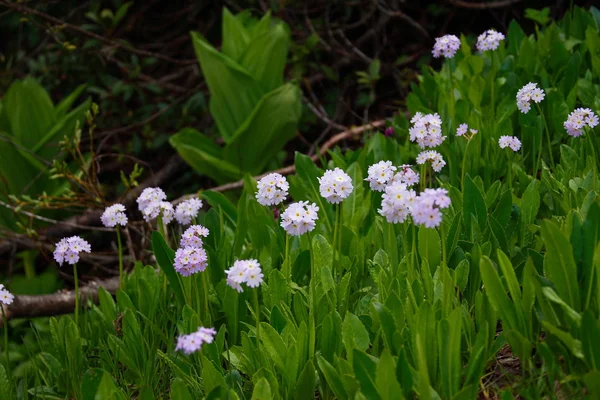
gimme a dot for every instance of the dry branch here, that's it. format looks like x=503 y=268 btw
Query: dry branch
x=483 y=5
x=25 y=306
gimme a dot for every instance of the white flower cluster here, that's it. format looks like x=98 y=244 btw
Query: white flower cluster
x=509 y=141
x=426 y=130
x=114 y=215
x=187 y=210
x=152 y=203
x=437 y=161
x=335 y=185
x=192 y=237
x=299 y=218
x=396 y=202
x=489 y=40
x=462 y=130
x=406 y=175
x=426 y=209
x=579 y=119
x=527 y=94
x=6 y=297
x=379 y=174
x=68 y=249
x=244 y=271
x=446 y=46
x=194 y=341
x=272 y=189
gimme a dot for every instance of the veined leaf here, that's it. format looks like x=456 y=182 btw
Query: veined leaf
x=165 y=257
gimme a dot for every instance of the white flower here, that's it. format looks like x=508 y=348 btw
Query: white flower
x=427 y=130
x=149 y=196
x=489 y=40
x=155 y=209
x=579 y=119
x=187 y=210
x=396 y=202
x=446 y=46
x=437 y=161
x=244 y=271
x=192 y=237
x=527 y=94
x=114 y=215
x=406 y=175
x=5 y=296
x=299 y=218
x=272 y=189
x=335 y=185
x=68 y=249
x=379 y=174
x=509 y=141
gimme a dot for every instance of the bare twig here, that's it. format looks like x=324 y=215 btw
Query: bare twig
x=25 y=306
x=116 y=44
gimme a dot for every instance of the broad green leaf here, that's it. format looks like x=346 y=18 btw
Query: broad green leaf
x=262 y=390
x=365 y=370
x=387 y=385
x=211 y=377
x=165 y=258
x=332 y=377
x=568 y=340
x=218 y=199
x=305 y=386
x=354 y=333
x=559 y=265
x=497 y=294
x=430 y=247
x=235 y=35
x=474 y=204
x=6 y=387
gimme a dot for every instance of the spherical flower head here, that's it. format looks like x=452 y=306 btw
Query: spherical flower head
x=190 y=260
x=163 y=208
x=6 y=297
x=335 y=185
x=436 y=159
x=272 y=189
x=489 y=40
x=578 y=120
x=389 y=131
x=437 y=197
x=114 y=215
x=396 y=203
x=427 y=130
x=299 y=218
x=194 y=341
x=68 y=249
x=509 y=141
x=426 y=209
x=193 y=236
x=527 y=94
x=406 y=175
x=149 y=196
x=187 y=210
x=379 y=174
x=244 y=271
x=446 y=46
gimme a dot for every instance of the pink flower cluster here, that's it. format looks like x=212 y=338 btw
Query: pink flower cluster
x=335 y=185
x=426 y=130
x=152 y=204
x=68 y=249
x=579 y=119
x=187 y=210
x=194 y=341
x=191 y=258
x=406 y=175
x=272 y=189
x=509 y=141
x=192 y=237
x=446 y=46
x=437 y=161
x=244 y=271
x=114 y=215
x=527 y=94
x=489 y=40
x=396 y=202
x=379 y=174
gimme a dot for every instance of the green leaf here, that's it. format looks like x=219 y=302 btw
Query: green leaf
x=262 y=390
x=497 y=294
x=568 y=340
x=179 y=390
x=365 y=370
x=165 y=258
x=474 y=204
x=235 y=35
x=332 y=377
x=63 y=107
x=354 y=333
x=5 y=385
x=211 y=377
x=430 y=246
x=266 y=130
x=387 y=385
x=559 y=264
x=204 y=155
x=218 y=199
x=305 y=386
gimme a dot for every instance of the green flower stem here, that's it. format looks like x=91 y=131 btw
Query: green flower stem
x=547 y=136
x=464 y=162
x=257 y=311
x=593 y=148
x=207 y=309
x=509 y=170
x=287 y=268
x=120 y=246
x=393 y=246
x=76 y=294
x=423 y=176
x=443 y=240
x=6 y=340
x=336 y=229
x=413 y=254
x=451 y=103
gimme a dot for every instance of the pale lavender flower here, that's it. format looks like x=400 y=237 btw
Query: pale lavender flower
x=579 y=119
x=149 y=196
x=194 y=341
x=489 y=40
x=426 y=130
x=335 y=185
x=436 y=159
x=299 y=218
x=163 y=208
x=446 y=46
x=272 y=189
x=426 y=209
x=190 y=260
x=244 y=271
x=114 y=215
x=406 y=175
x=68 y=249
x=509 y=141
x=187 y=210
x=396 y=203
x=462 y=130
x=527 y=94
x=192 y=237
x=379 y=174
x=6 y=297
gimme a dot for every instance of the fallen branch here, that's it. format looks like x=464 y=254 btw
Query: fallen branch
x=483 y=5
x=25 y=306
x=290 y=169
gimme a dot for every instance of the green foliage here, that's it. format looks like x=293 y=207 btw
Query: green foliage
x=255 y=112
